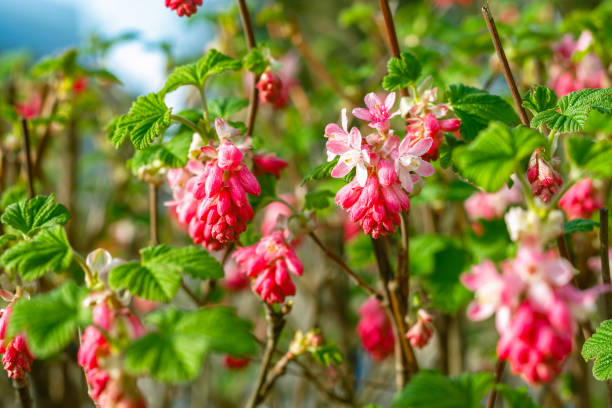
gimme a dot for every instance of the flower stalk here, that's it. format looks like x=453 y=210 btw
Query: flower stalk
x=247 y=25
x=25 y=133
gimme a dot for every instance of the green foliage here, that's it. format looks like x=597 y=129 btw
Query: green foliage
x=48 y=251
x=539 y=99
x=174 y=352
x=213 y=63
x=464 y=391
x=158 y=276
x=516 y=398
x=495 y=154
x=172 y=154
x=50 y=320
x=318 y=200
x=327 y=355
x=356 y=14
x=599 y=347
x=13 y=194
x=476 y=108
x=225 y=107
x=255 y=61
x=598 y=122
x=267 y=184
x=579 y=224
x=403 y=71
x=147 y=119
x=30 y=216
x=493 y=243
x=574 y=110
x=320 y=172
x=590 y=155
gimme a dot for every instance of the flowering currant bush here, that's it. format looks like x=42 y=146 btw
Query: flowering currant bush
x=328 y=204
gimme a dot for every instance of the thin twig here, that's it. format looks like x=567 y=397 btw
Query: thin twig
x=43 y=144
x=276 y=323
x=153 y=213
x=403 y=264
x=187 y=123
x=358 y=280
x=502 y=57
x=191 y=295
x=605 y=260
x=391 y=34
x=25 y=133
x=22 y=389
x=499 y=370
x=245 y=17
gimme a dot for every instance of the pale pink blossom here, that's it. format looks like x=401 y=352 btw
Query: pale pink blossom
x=375 y=331
x=581 y=200
x=420 y=333
x=488 y=206
x=409 y=165
x=377 y=112
x=428 y=126
x=529 y=227
x=337 y=134
x=545 y=181
x=269 y=262
x=352 y=156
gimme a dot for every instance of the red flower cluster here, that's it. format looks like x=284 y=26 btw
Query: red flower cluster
x=545 y=181
x=580 y=201
x=375 y=330
x=184 y=7
x=17 y=359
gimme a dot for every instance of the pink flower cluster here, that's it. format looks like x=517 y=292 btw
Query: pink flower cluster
x=534 y=303
x=545 y=181
x=184 y=7
x=108 y=386
x=270 y=88
x=211 y=198
x=269 y=262
x=581 y=200
x=375 y=331
x=386 y=167
x=17 y=359
x=488 y=206
x=420 y=333
x=567 y=75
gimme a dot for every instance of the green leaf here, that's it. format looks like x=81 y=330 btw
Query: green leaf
x=225 y=107
x=539 y=99
x=175 y=351
x=172 y=154
x=476 y=108
x=579 y=224
x=493 y=156
x=152 y=284
x=598 y=122
x=516 y=398
x=192 y=260
x=327 y=355
x=403 y=71
x=599 y=347
x=255 y=61
x=446 y=291
x=47 y=251
x=320 y=172
x=29 y=216
x=147 y=119
x=588 y=154
x=13 y=194
x=50 y=320
x=574 y=110
x=267 y=184
x=318 y=200
x=464 y=391
x=213 y=63
x=64 y=63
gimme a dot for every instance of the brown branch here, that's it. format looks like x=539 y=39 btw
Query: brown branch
x=153 y=213
x=276 y=323
x=502 y=57
x=43 y=144
x=245 y=17
x=358 y=280
x=499 y=371
x=391 y=34
x=22 y=389
x=25 y=133
x=605 y=261
x=277 y=371
x=402 y=277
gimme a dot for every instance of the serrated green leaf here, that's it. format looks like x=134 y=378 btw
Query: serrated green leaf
x=174 y=353
x=599 y=348
x=47 y=251
x=402 y=72
x=255 y=61
x=539 y=99
x=579 y=224
x=574 y=110
x=147 y=119
x=172 y=154
x=212 y=63
x=194 y=261
x=225 y=107
x=464 y=391
x=476 y=108
x=117 y=133
x=516 y=398
x=320 y=172
x=149 y=283
x=493 y=156
x=588 y=154
x=29 y=216
x=50 y=320
x=318 y=200
x=13 y=194
x=598 y=122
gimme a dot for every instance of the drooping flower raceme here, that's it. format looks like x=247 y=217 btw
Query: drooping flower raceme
x=386 y=168
x=528 y=227
x=270 y=89
x=375 y=331
x=544 y=179
x=109 y=386
x=16 y=358
x=269 y=263
x=581 y=200
x=420 y=332
x=535 y=305
x=211 y=198
x=184 y=7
